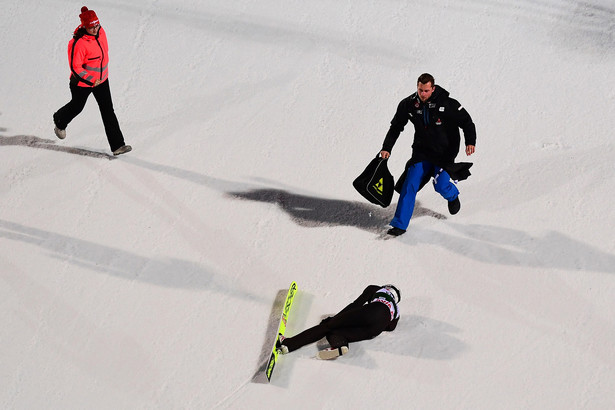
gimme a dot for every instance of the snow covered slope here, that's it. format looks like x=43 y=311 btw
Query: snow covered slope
x=152 y=280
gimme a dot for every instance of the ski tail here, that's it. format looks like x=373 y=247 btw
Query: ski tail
x=290 y=296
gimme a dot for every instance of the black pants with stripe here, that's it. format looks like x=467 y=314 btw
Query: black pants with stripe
x=362 y=323
x=102 y=94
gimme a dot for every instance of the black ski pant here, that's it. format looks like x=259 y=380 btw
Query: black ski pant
x=362 y=323
x=102 y=94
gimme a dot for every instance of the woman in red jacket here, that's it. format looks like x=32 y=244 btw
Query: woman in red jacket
x=88 y=58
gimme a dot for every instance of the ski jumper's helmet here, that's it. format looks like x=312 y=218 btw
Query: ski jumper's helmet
x=394 y=291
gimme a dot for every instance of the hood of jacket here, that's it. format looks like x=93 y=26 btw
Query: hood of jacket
x=438 y=94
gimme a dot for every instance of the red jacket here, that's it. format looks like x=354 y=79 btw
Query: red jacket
x=88 y=57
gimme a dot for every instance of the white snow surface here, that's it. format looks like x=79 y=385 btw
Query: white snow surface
x=154 y=280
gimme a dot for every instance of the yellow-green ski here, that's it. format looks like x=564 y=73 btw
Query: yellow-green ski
x=281 y=328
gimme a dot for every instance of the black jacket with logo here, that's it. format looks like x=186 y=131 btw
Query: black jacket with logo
x=436 y=127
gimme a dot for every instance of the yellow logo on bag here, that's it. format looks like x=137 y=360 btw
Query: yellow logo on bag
x=379 y=186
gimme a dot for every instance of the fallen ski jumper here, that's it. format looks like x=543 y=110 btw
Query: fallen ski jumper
x=375 y=311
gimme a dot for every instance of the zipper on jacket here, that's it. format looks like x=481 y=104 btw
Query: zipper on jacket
x=426 y=115
x=103 y=55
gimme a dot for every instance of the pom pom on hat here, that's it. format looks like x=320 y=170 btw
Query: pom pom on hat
x=88 y=18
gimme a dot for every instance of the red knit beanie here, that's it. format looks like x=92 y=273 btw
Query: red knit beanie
x=88 y=18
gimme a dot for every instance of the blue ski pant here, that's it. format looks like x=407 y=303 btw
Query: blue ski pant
x=407 y=197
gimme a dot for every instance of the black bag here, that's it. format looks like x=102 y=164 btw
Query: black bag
x=376 y=183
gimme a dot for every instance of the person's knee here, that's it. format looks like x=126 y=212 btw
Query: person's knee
x=78 y=109
x=413 y=178
x=325 y=322
x=447 y=190
x=441 y=187
x=412 y=186
x=337 y=340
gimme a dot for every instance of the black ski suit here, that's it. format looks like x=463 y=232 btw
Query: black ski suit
x=363 y=319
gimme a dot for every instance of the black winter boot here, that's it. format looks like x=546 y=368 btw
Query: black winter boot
x=454 y=206
x=394 y=231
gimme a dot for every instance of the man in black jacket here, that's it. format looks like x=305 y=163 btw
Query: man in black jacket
x=369 y=315
x=436 y=118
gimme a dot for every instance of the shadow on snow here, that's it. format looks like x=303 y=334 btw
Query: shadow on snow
x=490 y=244
x=309 y=211
x=36 y=142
